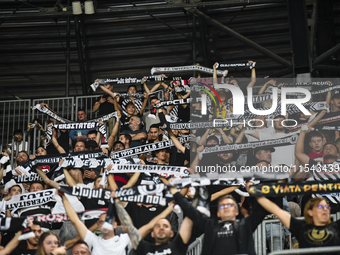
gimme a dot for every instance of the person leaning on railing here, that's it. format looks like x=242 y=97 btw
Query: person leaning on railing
x=315 y=230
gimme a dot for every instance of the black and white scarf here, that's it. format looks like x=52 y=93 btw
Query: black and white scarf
x=84 y=159
x=186 y=69
x=148 y=148
x=224 y=65
x=13 y=224
x=288 y=140
x=173 y=102
x=321 y=123
x=30 y=199
x=143 y=193
x=74 y=126
x=125 y=80
x=50 y=113
x=290 y=109
x=132 y=168
x=294 y=188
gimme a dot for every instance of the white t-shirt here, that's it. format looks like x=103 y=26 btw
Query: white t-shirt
x=22 y=147
x=268 y=130
x=117 y=245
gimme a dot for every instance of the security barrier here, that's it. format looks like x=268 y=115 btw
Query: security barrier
x=14 y=114
x=195 y=248
x=319 y=250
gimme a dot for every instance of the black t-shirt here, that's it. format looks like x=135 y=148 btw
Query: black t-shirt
x=309 y=235
x=106 y=107
x=225 y=241
x=124 y=123
x=136 y=142
x=177 y=158
x=330 y=133
x=175 y=247
x=141 y=215
x=21 y=249
x=63 y=141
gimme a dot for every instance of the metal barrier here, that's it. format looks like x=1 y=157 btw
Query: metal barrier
x=320 y=250
x=64 y=106
x=195 y=248
x=14 y=114
x=86 y=103
x=260 y=234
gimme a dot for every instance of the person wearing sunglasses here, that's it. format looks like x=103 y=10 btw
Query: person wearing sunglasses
x=315 y=230
x=49 y=244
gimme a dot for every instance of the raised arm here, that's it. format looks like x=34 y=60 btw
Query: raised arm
x=177 y=143
x=46 y=179
x=11 y=245
x=145 y=102
x=70 y=243
x=253 y=76
x=57 y=145
x=132 y=181
x=125 y=219
x=196 y=160
x=223 y=192
x=185 y=230
x=215 y=80
x=114 y=132
x=77 y=223
x=69 y=180
x=283 y=215
x=147 y=228
x=203 y=139
x=299 y=149
x=262 y=90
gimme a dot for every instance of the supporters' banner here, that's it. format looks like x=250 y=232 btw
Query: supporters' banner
x=30 y=199
x=60 y=217
x=74 y=126
x=315 y=92
x=173 y=102
x=313 y=83
x=295 y=188
x=196 y=180
x=132 y=168
x=13 y=224
x=198 y=125
x=149 y=194
x=139 y=193
x=136 y=95
x=105 y=117
x=50 y=113
x=321 y=122
x=223 y=65
x=147 y=148
x=139 y=95
x=86 y=159
x=288 y=140
x=33 y=177
x=186 y=69
x=290 y=109
x=259 y=98
x=86 y=192
x=124 y=80
x=145 y=199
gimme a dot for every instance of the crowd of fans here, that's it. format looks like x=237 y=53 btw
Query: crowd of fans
x=226 y=214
